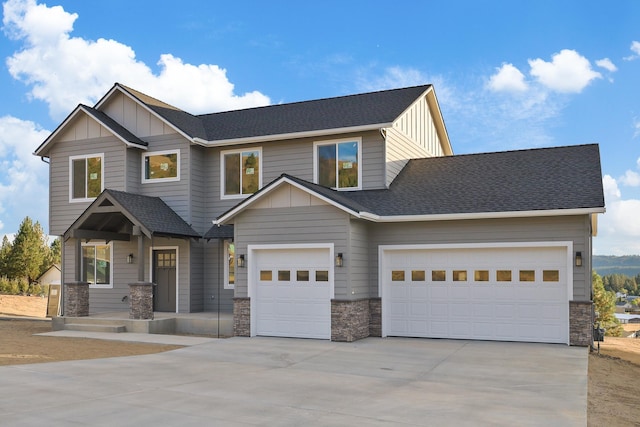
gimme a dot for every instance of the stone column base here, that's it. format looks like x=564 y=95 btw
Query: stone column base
x=141 y=300
x=242 y=317
x=76 y=299
x=580 y=323
x=375 y=317
x=349 y=320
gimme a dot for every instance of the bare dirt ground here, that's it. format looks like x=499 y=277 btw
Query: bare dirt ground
x=614 y=374
x=19 y=345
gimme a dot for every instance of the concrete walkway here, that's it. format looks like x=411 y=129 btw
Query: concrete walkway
x=291 y=382
x=185 y=340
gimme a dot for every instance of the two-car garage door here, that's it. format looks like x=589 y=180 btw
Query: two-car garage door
x=503 y=293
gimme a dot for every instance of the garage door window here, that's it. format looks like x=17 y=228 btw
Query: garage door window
x=284 y=275
x=527 y=276
x=266 y=275
x=417 y=276
x=322 y=276
x=481 y=275
x=550 y=276
x=302 y=275
x=438 y=275
x=503 y=275
x=459 y=275
x=397 y=276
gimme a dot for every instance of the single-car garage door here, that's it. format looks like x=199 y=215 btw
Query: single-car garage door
x=503 y=294
x=292 y=291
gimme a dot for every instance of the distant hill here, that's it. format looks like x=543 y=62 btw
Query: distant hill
x=609 y=264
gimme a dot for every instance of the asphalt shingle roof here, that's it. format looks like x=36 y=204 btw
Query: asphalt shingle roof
x=511 y=181
x=320 y=114
x=153 y=213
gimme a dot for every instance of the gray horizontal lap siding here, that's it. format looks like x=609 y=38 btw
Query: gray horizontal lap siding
x=357 y=260
x=63 y=212
x=565 y=228
x=293 y=157
x=314 y=224
x=216 y=297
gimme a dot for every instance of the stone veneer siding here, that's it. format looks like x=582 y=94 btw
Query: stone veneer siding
x=580 y=323
x=76 y=299
x=349 y=320
x=375 y=317
x=141 y=300
x=241 y=317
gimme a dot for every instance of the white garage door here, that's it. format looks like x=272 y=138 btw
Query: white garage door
x=293 y=293
x=503 y=294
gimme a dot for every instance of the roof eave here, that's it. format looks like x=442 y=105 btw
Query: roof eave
x=480 y=215
x=291 y=135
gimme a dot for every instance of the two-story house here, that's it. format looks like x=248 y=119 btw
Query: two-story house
x=336 y=218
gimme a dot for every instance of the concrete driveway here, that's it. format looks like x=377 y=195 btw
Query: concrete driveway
x=291 y=382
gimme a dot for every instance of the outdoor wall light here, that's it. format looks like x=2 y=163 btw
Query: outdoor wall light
x=339 y=260
x=130 y=259
x=578 y=259
x=241 y=260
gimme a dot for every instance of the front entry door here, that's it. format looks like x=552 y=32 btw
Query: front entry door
x=164 y=276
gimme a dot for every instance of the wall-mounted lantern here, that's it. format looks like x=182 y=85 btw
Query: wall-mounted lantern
x=578 y=259
x=339 y=260
x=241 y=261
x=130 y=259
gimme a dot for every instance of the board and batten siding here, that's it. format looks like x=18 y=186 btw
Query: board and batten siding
x=289 y=225
x=62 y=212
x=134 y=117
x=538 y=229
x=413 y=135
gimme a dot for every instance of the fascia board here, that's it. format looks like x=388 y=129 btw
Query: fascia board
x=480 y=215
x=292 y=135
x=243 y=205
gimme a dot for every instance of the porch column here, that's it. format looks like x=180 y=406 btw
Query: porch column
x=141 y=300
x=76 y=299
x=138 y=232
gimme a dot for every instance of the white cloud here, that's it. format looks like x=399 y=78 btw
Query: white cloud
x=635 y=48
x=508 y=79
x=606 y=64
x=23 y=177
x=610 y=186
x=630 y=179
x=568 y=72
x=63 y=71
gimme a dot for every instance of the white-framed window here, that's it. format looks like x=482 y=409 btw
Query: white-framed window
x=229 y=265
x=86 y=177
x=336 y=164
x=161 y=166
x=97 y=268
x=240 y=173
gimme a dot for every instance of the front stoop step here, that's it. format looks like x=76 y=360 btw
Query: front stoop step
x=95 y=328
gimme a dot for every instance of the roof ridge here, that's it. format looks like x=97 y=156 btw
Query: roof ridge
x=517 y=150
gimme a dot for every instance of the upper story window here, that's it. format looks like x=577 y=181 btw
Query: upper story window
x=96 y=264
x=241 y=172
x=86 y=177
x=161 y=166
x=337 y=164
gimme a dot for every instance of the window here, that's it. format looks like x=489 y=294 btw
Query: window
x=302 y=275
x=161 y=166
x=550 y=275
x=459 y=275
x=397 y=276
x=481 y=275
x=417 y=275
x=266 y=275
x=337 y=164
x=322 y=276
x=527 y=275
x=230 y=265
x=284 y=275
x=96 y=264
x=241 y=173
x=438 y=275
x=86 y=177
x=503 y=275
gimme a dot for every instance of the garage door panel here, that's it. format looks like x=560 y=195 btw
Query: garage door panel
x=494 y=304
x=293 y=304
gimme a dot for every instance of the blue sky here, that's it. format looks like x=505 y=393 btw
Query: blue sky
x=508 y=74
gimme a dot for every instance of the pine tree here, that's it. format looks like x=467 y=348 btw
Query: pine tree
x=5 y=251
x=605 y=306
x=28 y=251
